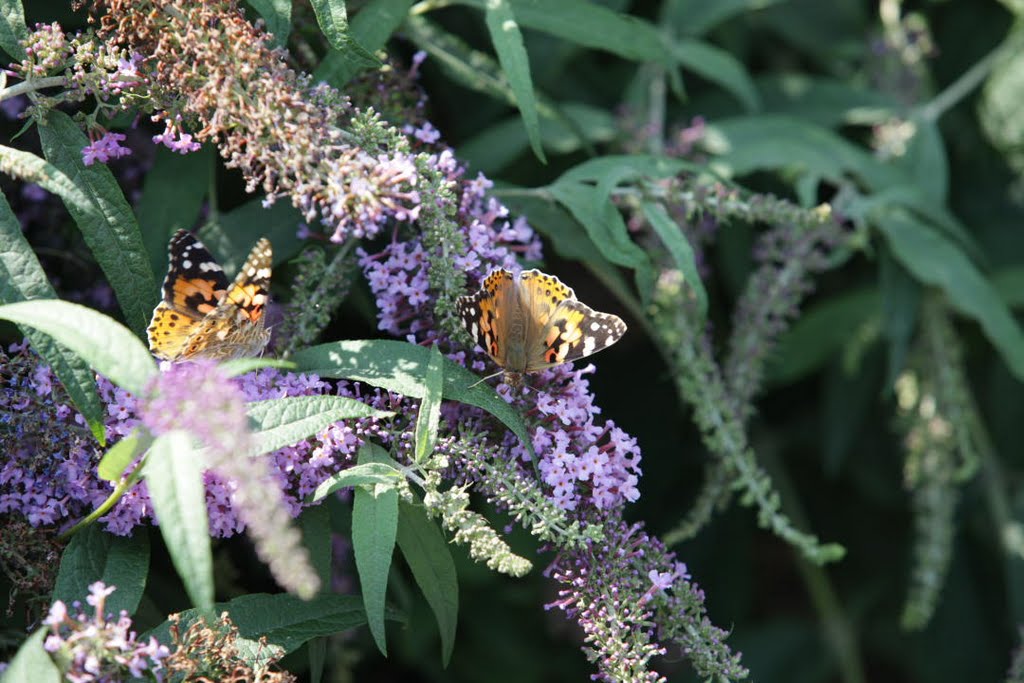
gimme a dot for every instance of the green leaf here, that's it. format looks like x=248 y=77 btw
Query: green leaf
x=697 y=17
x=934 y=260
x=22 y=278
x=106 y=345
x=374 y=527
x=95 y=555
x=12 y=28
x=278 y=16
x=671 y=235
x=1010 y=284
x=367 y=474
x=592 y=208
x=333 y=20
x=231 y=237
x=427 y=553
x=927 y=163
x=104 y=217
x=172 y=196
x=591 y=25
x=286 y=620
x=399 y=367
x=718 y=66
x=508 y=43
x=174 y=479
x=911 y=197
x=116 y=460
x=495 y=147
x=767 y=143
x=901 y=304
x=316 y=536
x=825 y=102
x=376 y=21
x=282 y=422
x=820 y=333
x=32 y=662
x=430 y=407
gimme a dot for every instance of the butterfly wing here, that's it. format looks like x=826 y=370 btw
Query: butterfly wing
x=235 y=328
x=488 y=312
x=561 y=329
x=193 y=288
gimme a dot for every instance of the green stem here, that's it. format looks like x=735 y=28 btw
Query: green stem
x=31 y=86
x=961 y=87
x=123 y=486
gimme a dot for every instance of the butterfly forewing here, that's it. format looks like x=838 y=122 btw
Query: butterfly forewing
x=195 y=282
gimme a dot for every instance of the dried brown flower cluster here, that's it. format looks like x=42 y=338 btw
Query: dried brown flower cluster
x=208 y=67
x=210 y=653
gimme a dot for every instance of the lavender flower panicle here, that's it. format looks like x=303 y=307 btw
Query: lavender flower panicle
x=98 y=648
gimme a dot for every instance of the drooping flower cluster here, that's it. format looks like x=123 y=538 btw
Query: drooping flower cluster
x=617 y=589
x=99 y=648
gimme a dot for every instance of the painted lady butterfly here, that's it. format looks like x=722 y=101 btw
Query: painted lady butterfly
x=533 y=322
x=202 y=314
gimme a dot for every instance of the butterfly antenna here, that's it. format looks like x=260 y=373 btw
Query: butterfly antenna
x=485 y=378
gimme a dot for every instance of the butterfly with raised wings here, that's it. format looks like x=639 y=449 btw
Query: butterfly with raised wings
x=202 y=314
x=533 y=321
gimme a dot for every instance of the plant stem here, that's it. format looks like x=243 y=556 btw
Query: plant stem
x=122 y=487
x=960 y=88
x=31 y=86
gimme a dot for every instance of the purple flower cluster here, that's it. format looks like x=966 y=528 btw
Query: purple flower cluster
x=175 y=139
x=584 y=461
x=99 y=648
x=398 y=275
x=49 y=476
x=46 y=50
x=104 y=148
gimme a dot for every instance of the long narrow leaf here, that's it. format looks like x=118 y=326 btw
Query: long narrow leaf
x=105 y=218
x=106 y=345
x=671 y=235
x=428 y=555
x=374 y=527
x=936 y=261
x=22 y=278
x=430 y=408
x=282 y=422
x=333 y=19
x=284 y=619
x=591 y=25
x=508 y=43
x=175 y=482
x=399 y=367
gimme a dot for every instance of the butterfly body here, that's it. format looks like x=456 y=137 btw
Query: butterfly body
x=202 y=314
x=533 y=321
